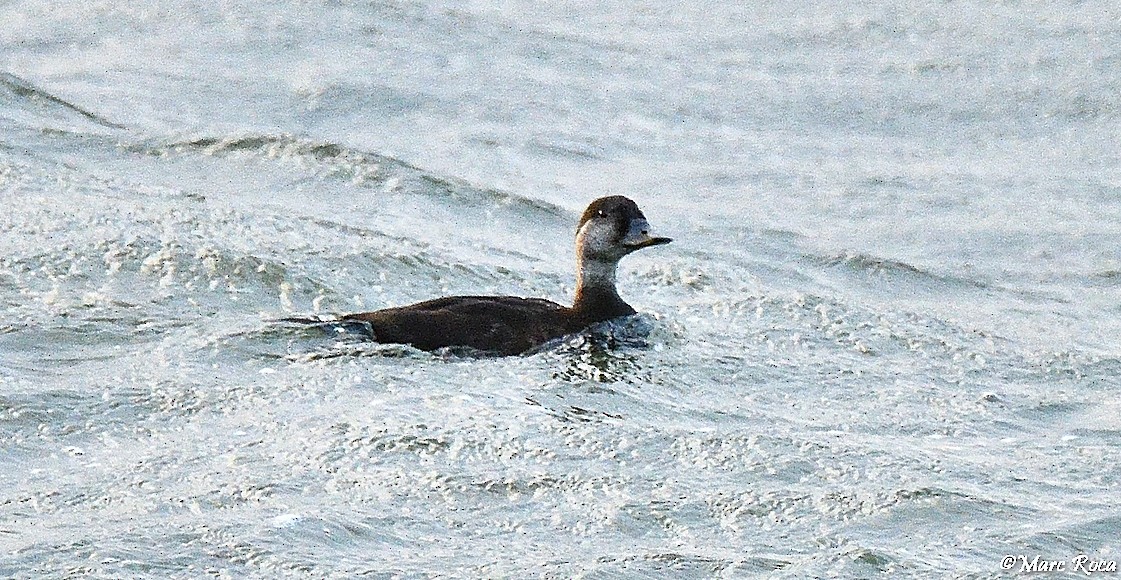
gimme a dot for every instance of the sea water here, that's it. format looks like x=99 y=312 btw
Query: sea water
x=886 y=340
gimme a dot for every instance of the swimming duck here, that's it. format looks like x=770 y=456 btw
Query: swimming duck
x=609 y=229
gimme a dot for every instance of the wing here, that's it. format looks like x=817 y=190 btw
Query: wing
x=502 y=324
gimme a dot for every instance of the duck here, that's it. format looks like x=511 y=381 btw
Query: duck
x=609 y=229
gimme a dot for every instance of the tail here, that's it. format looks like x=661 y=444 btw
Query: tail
x=333 y=325
x=303 y=320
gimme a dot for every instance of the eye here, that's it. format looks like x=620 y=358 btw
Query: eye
x=601 y=213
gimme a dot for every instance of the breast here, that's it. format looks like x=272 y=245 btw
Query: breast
x=498 y=324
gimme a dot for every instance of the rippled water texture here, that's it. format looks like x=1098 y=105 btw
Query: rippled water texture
x=885 y=341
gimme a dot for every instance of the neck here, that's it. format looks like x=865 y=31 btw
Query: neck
x=595 y=290
x=595 y=274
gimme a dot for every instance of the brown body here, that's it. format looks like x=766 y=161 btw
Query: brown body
x=499 y=324
x=610 y=228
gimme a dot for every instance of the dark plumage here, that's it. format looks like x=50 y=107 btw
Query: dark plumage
x=609 y=229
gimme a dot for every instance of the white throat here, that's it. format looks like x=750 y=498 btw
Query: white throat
x=592 y=273
x=595 y=257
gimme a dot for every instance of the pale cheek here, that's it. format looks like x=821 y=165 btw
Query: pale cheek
x=596 y=241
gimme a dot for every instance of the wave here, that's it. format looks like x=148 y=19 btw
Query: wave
x=17 y=93
x=361 y=168
x=868 y=265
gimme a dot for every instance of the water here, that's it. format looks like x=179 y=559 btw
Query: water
x=884 y=343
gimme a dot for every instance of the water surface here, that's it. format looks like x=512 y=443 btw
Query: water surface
x=884 y=342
